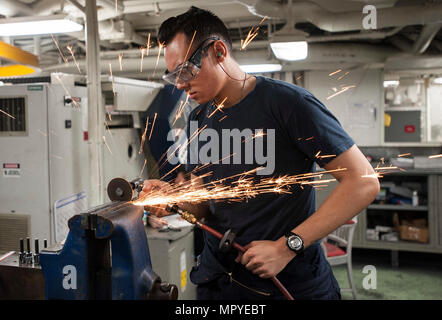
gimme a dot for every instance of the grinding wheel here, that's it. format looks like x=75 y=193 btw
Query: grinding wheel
x=119 y=190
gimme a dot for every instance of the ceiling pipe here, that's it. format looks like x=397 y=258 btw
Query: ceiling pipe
x=346 y=21
x=427 y=35
x=355 y=36
x=12 y=8
x=156 y=7
x=329 y=54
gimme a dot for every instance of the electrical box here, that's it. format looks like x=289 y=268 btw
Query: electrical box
x=172 y=256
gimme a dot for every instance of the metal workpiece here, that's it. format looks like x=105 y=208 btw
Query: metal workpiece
x=22 y=254
x=29 y=255
x=137 y=184
x=36 y=252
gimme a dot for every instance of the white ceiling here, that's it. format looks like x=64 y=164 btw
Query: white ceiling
x=145 y=16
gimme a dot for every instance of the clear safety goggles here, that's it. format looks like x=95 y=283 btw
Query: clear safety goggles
x=188 y=70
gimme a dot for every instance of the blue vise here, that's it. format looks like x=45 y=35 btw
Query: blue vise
x=105 y=256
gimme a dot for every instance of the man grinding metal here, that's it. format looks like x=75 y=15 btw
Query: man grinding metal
x=281 y=232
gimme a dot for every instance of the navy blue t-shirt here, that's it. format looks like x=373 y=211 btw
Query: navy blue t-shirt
x=302 y=127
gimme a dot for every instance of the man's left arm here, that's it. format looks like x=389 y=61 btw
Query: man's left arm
x=357 y=188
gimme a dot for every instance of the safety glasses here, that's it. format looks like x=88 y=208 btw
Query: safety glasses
x=188 y=70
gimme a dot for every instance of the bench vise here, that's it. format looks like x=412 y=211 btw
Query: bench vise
x=105 y=255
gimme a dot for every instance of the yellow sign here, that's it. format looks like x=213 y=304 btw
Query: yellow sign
x=14 y=54
x=387 y=120
x=15 y=70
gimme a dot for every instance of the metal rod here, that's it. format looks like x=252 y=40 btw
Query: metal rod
x=28 y=245
x=36 y=248
x=191 y=218
x=3 y=257
x=95 y=106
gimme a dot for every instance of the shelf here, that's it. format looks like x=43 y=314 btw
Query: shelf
x=397 y=207
x=399 y=242
x=403 y=108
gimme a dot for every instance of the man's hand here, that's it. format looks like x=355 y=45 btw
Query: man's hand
x=156 y=223
x=149 y=186
x=266 y=258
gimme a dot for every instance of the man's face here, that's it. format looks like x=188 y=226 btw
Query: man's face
x=208 y=82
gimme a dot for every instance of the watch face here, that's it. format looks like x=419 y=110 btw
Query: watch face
x=295 y=243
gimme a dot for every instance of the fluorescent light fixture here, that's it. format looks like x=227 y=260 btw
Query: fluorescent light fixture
x=261 y=68
x=391 y=83
x=437 y=80
x=290 y=51
x=38 y=25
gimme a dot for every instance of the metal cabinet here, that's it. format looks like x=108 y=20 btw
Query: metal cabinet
x=172 y=256
x=433 y=210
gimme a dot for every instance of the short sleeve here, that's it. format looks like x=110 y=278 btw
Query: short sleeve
x=316 y=131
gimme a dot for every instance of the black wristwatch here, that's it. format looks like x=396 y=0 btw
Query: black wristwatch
x=295 y=243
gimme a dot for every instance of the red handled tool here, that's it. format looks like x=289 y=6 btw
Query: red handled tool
x=227 y=240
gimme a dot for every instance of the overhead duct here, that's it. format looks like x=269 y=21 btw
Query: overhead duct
x=12 y=8
x=427 y=35
x=424 y=13
x=321 y=56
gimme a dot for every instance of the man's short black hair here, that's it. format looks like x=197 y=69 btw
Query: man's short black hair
x=204 y=22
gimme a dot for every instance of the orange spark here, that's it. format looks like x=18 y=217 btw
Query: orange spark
x=386 y=168
x=160 y=46
x=66 y=90
x=170 y=171
x=335 y=72
x=435 y=156
x=222 y=118
x=104 y=140
x=120 y=60
x=242 y=188
x=143 y=137
x=73 y=57
x=112 y=77
x=341 y=91
x=148 y=44
x=185 y=57
x=324 y=156
x=59 y=50
x=180 y=109
x=141 y=172
x=218 y=107
x=404 y=155
x=7 y=114
x=142 y=57
x=252 y=34
x=344 y=75
x=153 y=124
